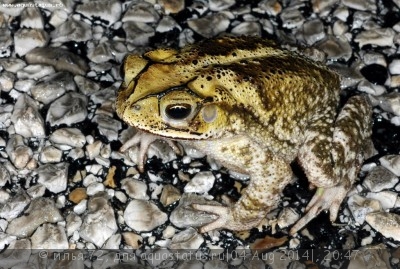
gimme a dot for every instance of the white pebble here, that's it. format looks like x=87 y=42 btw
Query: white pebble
x=26 y=118
x=99 y=223
x=394 y=67
x=68 y=109
x=392 y=163
x=202 y=182
x=69 y=137
x=53 y=176
x=26 y=39
x=143 y=216
x=49 y=236
x=388 y=224
x=94 y=188
x=134 y=188
x=379 y=37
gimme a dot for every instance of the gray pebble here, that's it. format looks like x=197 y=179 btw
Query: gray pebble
x=360 y=206
x=292 y=18
x=99 y=222
x=60 y=58
x=141 y=12
x=247 y=28
x=18 y=252
x=40 y=210
x=12 y=207
x=210 y=25
x=166 y=24
x=58 y=17
x=388 y=199
x=72 y=30
x=18 y=152
x=173 y=6
x=368 y=5
x=113 y=243
x=4 y=176
x=169 y=195
x=219 y=5
x=389 y=102
x=5 y=42
x=202 y=182
x=104 y=95
x=6 y=81
x=187 y=239
x=336 y=48
x=68 y=109
x=50 y=154
x=388 y=224
x=52 y=87
x=340 y=28
x=394 y=67
x=287 y=217
x=323 y=7
x=313 y=31
x=53 y=176
x=379 y=37
x=65 y=138
x=26 y=118
x=271 y=7
x=105 y=51
x=26 y=39
x=93 y=149
x=138 y=33
x=85 y=85
x=380 y=179
x=6 y=240
x=143 y=216
x=49 y=236
x=12 y=64
x=106 y=12
x=374 y=58
x=373 y=89
x=360 y=20
x=35 y=71
x=5 y=116
x=15 y=11
x=81 y=207
x=94 y=188
x=107 y=126
x=32 y=18
x=134 y=188
x=22 y=86
x=36 y=191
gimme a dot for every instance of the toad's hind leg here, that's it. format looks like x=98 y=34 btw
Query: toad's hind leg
x=348 y=144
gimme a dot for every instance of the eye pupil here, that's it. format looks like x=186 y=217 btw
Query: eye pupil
x=178 y=112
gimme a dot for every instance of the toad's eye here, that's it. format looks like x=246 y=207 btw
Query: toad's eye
x=178 y=111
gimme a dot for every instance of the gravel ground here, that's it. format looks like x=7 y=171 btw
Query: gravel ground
x=65 y=185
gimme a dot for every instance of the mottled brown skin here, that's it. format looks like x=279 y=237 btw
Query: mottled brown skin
x=255 y=108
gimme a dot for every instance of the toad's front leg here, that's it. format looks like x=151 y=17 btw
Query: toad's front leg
x=144 y=140
x=268 y=177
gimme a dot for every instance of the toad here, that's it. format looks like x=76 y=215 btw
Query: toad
x=255 y=108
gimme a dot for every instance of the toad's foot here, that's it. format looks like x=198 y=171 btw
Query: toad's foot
x=226 y=219
x=145 y=140
x=324 y=199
